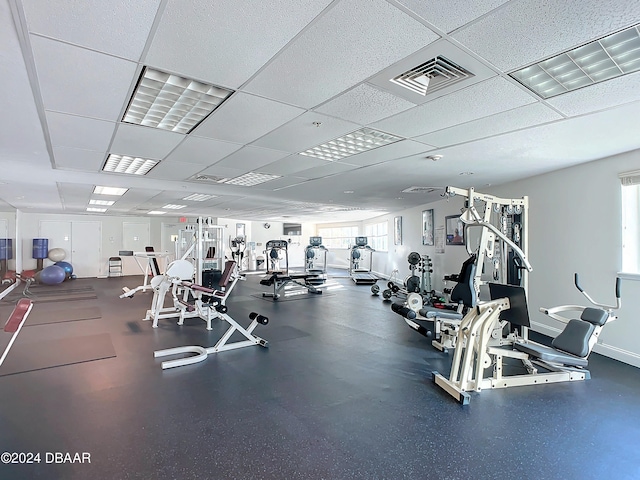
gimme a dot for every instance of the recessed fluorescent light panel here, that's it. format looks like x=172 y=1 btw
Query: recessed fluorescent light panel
x=609 y=57
x=199 y=197
x=106 y=203
x=156 y=212
x=359 y=141
x=127 y=164
x=250 y=179
x=99 y=210
x=173 y=207
x=100 y=190
x=169 y=102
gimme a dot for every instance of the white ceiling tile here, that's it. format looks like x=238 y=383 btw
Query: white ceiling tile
x=326 y=170
x=348 y=44
x=526 y=31
x=251 y=158
x=79 y=132
x=244 y=118
x=301 y=134
x=504 y=122
x=21 y=137
x=477 y=101
x=596 y=97
x=226 y=41
x=388 y=152
x=448 y=15
x=365 y=104
x=79 y=81
x=144 y=142
x=291 y=165
x=119 y=30
x=173 y=170
x=76 y=159
x=280 y=183
x=134 y=197
x=545 y=148
x=202 y=151
x=226 y=172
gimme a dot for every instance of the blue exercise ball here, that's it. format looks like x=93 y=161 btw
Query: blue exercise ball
x=68 y=268
x=52 y=275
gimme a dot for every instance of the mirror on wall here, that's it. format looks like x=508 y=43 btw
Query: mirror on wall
x=8 y=244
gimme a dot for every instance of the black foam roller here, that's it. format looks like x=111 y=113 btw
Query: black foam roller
x=403 y=311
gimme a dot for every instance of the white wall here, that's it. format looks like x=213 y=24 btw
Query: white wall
x=396 y=258
x=257 y=233
x=112 y=235
x=575 y=226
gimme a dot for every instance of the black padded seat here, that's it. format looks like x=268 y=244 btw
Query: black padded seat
x=550 y=355
x=432 y=312
x=595 y=316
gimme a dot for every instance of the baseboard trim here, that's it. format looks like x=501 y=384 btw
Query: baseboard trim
x=616 y=353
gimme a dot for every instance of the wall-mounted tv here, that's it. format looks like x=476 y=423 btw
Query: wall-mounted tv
x=291 y=229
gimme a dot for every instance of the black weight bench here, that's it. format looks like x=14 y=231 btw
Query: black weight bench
x=279 y=281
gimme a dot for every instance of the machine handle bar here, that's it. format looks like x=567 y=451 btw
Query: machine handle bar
x=576 y=280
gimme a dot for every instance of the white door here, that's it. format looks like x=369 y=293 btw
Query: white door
x=169 y=238
x=86 y=249
x=135 y=237
x=59 y=235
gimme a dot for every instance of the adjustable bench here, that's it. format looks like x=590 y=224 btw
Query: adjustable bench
x=279 y=281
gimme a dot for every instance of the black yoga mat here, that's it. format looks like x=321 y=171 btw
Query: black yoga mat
x=27 y=357
x=43 y=316
x=44 y=294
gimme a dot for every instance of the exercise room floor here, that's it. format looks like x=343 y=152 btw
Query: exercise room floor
x=343 y=391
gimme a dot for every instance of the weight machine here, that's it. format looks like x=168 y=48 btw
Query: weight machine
x=503 y=246
x=196 y=301
x=202 y=244
x=315 y=255
x=565 y=360
x=150 y=267
x=361 y=262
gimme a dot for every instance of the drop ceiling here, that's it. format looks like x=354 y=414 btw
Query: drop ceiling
x=302 y=73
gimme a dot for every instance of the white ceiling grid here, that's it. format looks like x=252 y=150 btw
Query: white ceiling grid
x=304 y=72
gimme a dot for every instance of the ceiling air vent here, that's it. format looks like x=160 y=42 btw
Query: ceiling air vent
x=421 y=190
x=209 y=178
x=431 y=76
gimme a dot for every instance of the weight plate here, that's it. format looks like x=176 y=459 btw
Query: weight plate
x=414 y=258
x=413 y=284
x=414 y=301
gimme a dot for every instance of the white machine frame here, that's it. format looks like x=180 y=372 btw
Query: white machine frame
x=447 y=328
x=177 y=280
x=146 y=269
x=201 y=353
x=475 y=353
